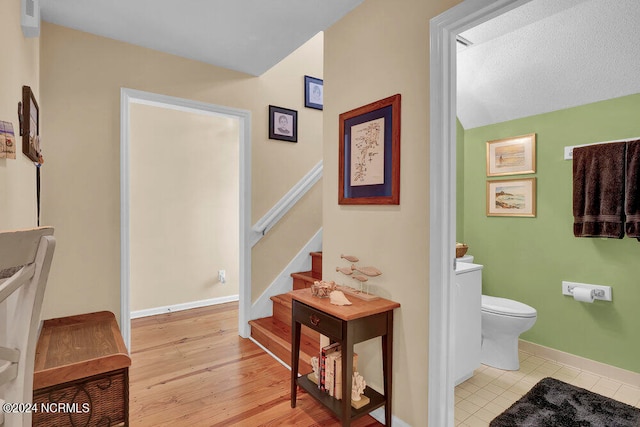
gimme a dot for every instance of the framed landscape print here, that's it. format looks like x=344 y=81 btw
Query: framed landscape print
x=512 y=156
x=369 y=154
x=514 y=197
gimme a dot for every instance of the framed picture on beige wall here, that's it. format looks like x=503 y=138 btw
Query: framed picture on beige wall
x=512 y=156
x=512 y=197
x=369 y=154
x=29 y=115
x=283 y=124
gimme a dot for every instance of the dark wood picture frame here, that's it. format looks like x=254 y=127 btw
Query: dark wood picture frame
x=313 y=92
x=30 y=125
x=283 y=124
x=373 y=176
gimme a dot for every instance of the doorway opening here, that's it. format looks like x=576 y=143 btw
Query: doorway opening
x=442 y=193
x=242 y=118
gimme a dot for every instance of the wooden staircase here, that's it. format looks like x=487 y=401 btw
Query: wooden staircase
x=274 y=333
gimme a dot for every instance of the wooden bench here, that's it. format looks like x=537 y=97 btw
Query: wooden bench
x=81 y=375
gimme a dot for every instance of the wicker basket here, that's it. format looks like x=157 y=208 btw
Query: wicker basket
x=98 y=401
x=461 y=250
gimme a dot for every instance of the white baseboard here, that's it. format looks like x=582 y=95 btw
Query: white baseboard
x=378 y=415
x=263 y=307
x=599 y=368
x=183 y=306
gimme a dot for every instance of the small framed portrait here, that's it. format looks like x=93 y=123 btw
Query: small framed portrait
x=283 y=124
x=313 y=93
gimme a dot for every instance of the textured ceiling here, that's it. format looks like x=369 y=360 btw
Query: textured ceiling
x=244 y=35
x=548 y=55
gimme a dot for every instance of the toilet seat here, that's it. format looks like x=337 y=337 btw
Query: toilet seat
x=507 y=307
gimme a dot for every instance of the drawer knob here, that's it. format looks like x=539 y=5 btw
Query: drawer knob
x=315 y=320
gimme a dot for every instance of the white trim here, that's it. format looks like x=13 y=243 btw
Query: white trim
x=184 y=306
x=442 y=197
x=128 y=96
x=582 y=363
x=263 y=307
x=378 y=415
x=270 y=219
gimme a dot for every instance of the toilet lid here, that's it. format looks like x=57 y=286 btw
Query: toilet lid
x=506 y=307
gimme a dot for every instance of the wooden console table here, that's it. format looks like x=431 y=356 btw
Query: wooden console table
x=347 y=325
x=82 y=364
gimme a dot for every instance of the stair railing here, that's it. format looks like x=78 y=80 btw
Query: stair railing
x=283 y=206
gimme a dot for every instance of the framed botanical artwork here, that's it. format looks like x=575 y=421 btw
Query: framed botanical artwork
x=283 y=124
x=512 y=156
x=30 y=125
x=513 y=197
x=369 y=159
x=313 y=92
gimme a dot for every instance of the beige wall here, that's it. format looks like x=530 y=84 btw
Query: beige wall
x=382 y=48
x=184 y=206
x=81 y=77
x=20 y=66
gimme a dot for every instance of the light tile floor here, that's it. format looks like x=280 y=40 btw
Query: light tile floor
x=490 y=391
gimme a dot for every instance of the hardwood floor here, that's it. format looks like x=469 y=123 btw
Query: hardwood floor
x=190 y=368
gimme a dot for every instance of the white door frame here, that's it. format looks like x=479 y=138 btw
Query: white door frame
x=128 y=96
x=442 y=196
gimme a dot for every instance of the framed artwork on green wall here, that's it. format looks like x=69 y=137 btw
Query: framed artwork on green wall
x=511 y=197
x=512 y=156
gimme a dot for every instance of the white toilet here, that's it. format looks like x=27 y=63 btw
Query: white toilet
x=503 y=320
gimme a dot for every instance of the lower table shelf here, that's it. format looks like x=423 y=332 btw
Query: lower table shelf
x=376 y=399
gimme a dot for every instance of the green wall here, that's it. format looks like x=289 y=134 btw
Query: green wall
x=526 y=259
x=459 y=182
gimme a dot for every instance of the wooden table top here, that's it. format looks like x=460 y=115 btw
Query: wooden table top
x=358 y=308
x=75 y=347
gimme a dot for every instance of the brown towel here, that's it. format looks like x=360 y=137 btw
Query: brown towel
x=632 y=190
x=598 y=190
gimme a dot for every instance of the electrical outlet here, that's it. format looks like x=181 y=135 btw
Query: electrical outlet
x=222 y=276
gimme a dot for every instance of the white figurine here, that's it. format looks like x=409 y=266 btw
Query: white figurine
x=314 y=366
x=357 y=386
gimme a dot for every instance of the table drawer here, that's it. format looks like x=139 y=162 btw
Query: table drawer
x=317 y=320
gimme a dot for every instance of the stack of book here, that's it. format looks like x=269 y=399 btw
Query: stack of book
x=330 y=366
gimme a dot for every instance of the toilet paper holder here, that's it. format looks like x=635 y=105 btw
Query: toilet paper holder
x=599 y=292
x=595 y=293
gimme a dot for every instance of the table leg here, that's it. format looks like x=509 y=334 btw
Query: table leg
x=387 y=367
x=347 y=377
x=295 y=359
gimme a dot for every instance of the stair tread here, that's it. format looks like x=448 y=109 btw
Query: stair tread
x=282 y=311
x=308 y=276
x=284 y=299
x=280 y=332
